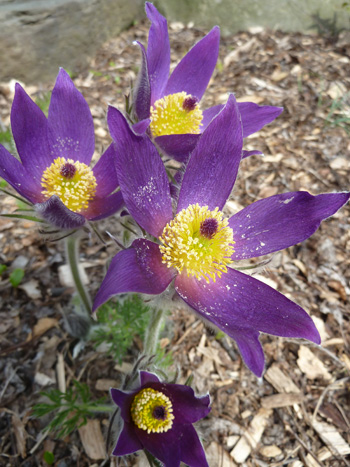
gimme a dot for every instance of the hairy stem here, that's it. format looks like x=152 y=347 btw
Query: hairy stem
x=153 y=331
x=72 y=248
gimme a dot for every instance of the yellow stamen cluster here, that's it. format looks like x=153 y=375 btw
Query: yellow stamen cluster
x=73 y=182
x=144 y=411
x=186 y=248
x=169 y=116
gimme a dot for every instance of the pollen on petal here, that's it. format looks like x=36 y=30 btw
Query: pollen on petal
x=72 y=181
x=176 y=114
x=152 y=411
x=198 y=242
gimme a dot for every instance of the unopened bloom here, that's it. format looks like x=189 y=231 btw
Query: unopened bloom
x=170 y=105
x=55 y=153
x=197 y=246
x=159 y=417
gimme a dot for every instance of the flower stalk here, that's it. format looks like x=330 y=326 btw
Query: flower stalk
x=72 y=248
x=153 y=332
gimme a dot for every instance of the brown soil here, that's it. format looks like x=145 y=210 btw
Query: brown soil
x=298 y=414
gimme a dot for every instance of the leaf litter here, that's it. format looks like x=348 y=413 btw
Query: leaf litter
x=298 y=413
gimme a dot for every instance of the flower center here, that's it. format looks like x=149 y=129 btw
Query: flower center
x=199 y=241
x=176 y=114
x=152 y=411
x=73 y=182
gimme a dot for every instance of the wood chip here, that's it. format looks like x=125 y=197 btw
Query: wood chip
x=66 y=278
x=280 y=381
x=311 y=366
x=31 y=289
x=92 y=439
x=332 y=438
x=338 y=287
x=270 y=451
x=43 y=325
x=104 y=384
x=61 y=376
x=321 y=328
x=211 y=353
x=43 y=380
x=20 y=434
x=251 y=436
x=281 y=400
x=322 y=455
x=216 y=455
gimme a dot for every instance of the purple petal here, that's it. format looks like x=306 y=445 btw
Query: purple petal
x=254 y=152
x=142 y=177
x=17 y=176
x=250 y=349
x=100 y=208
x=158 y=52
x=192 y=452
x=29 y=128
x=147 y=377
x=164 y=446
x=71 y=128
x=209 y=114
x=128 y=441
x=105 y=173
x=119 y=397
x=178 y=147
x=55 y=212
x=123 y=400
x=142 y=90
x=194 y=71
x=141 y=127
x=187 y=408
x=212 y=169
x=137 y=269
x=237 y=301
x=280 y=221
x=254 y=116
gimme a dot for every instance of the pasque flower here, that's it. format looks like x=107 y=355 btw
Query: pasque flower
x=199 y=246
x=170 y=106
x=55 y=153
x=159 y=417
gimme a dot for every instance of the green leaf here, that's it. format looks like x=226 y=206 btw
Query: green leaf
x=49 y=458
x=219 y=335
x=118 y=323
x=16 y=277
x=44 y=101
x=28 y=218
x=69 y=409
x=3 y=268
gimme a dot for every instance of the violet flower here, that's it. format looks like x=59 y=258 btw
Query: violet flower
x=170 y=106
x=55 y=153
x=198 y=246
x=158 y=417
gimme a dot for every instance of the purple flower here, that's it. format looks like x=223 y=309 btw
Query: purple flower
x=170 y=106
x=55 y=153
x=158 y=417
x=199 y=246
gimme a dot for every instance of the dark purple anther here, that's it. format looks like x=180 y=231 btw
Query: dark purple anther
x=159 y=412
x=209 y=227
x=190 y=103
x=68 y=170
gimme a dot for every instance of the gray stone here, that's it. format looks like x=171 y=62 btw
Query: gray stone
x=39 y=36
x=239 y=15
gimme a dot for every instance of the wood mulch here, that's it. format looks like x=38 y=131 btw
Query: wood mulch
x=298 y=413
